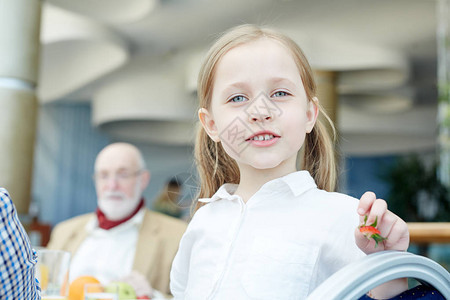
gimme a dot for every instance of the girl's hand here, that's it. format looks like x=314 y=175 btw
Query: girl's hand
x=393 y=228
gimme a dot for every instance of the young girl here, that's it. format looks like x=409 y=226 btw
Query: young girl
x=264 y=230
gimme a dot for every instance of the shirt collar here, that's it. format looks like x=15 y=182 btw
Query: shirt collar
x=226 y=191
x=298 y=182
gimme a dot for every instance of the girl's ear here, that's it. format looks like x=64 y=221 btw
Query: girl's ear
x=311 y=113
x=208 y=124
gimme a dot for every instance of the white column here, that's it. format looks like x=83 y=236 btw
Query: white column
x=19 y=60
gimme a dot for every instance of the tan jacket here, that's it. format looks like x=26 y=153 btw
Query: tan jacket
x=157 y=245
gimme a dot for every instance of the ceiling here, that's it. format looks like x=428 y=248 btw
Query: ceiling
x=136 y=61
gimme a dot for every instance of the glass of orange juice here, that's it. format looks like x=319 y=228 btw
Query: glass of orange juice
x=52 y=271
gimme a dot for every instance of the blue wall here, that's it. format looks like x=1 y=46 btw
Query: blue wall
x=363 y=173
x=65 y=150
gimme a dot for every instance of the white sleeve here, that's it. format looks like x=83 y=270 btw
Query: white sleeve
x=179 y=274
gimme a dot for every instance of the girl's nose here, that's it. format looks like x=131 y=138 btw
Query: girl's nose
x=260 y=117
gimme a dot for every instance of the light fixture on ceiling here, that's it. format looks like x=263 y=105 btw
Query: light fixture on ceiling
x=75 y=51
x=110 y=11
x=148 y=103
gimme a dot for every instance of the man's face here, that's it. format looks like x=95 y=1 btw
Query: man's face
x=119 y=180
x=117 y=174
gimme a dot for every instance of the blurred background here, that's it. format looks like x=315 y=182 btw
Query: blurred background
x=116 y=70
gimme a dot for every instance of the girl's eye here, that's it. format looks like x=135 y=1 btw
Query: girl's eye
x=280 y=94
x=236 y=99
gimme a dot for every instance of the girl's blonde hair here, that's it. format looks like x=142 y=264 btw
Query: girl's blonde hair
x=215 y=167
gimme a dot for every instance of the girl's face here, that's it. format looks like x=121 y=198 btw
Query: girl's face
x=259 y=109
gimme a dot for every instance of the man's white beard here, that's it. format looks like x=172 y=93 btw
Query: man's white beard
x=117 y=206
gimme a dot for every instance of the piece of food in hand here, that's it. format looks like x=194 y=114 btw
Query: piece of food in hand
x=371 y=232
x=126 y=290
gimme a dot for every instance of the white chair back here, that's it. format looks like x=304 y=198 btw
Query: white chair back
x=356 y=279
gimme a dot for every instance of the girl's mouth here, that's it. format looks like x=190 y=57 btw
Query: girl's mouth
x=263 y=139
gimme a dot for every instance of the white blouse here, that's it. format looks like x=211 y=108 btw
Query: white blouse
x=286 y=240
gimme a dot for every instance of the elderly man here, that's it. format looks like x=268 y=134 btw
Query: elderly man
x=122 y=235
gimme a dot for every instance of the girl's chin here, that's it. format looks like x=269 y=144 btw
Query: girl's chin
x=269 y=162
x=263 y=164
x=265 y=161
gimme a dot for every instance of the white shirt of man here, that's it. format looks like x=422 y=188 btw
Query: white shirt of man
x=107 y=254
x=286 y=240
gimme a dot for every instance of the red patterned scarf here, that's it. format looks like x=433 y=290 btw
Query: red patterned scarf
x=105 y=223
